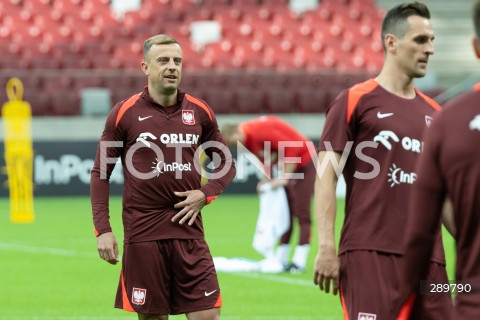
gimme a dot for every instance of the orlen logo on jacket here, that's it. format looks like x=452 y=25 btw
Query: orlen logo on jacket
x=188 y=117
x=167 y=138
x=139 y=296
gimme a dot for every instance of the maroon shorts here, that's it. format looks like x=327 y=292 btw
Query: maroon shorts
x=369 y=285
x=169 y=276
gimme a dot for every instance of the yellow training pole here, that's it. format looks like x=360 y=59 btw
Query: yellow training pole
x=17 y=117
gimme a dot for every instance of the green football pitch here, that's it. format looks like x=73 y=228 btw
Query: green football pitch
x=49 y=270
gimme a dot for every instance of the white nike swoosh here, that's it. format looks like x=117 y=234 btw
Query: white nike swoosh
x=141 y=119
x=384 y=115
x=209 y=293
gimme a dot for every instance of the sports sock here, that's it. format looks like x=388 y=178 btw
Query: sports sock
x=283 y=253
x=300 y=256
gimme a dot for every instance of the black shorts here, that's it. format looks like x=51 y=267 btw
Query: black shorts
x=169 y=276
x=369 y=285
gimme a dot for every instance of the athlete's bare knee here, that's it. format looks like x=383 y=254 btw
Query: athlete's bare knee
x=142 y=316
x=211 y=314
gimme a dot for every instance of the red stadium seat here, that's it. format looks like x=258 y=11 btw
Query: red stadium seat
x=93 y=47
x=311 y=100
x=65 y=103
x=350 y=62
x=14 y=62
x=183 y=6
x=228 y=63
x=11 y=7
x=135 y=19
x=45 y=61
x=216 y=3
x=227 y=17
x=109 y=61
x=321 y=15
x=218 y=50
x=274 y=2
x=221 y=101
x=248 y=49
x=129 y=55
x=40 y=102
x=115 y=81
x=237 y=79
x=26 y=33
x=250 y=100
x=89 y=82
x=75 y=61
x=56 y=34
x=320 y=62
x=300 y=33
x=38 y=7
x=254 y=13
x=245 y=2
x=59 y=83
x=242 y=31
x=96 y=5
x=308 y=50
x=372 y=54
x=282 y=15
x=268 y=33
x=281 y=101
x=68 y=7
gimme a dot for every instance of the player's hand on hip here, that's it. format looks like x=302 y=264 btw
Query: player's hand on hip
x=108 y=247
x=190 y=207
x=326 y=273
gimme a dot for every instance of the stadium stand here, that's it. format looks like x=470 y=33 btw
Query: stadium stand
x=270 y=58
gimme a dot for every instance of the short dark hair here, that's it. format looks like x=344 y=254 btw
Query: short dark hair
x=156 y=40
x=476 y=18
x=394 y=20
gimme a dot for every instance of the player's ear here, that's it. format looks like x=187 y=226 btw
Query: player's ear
x=390 y=43
x=145 y=68
x=476 y=46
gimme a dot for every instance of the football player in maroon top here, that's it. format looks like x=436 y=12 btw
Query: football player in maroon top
x=449 y=166
x=158 y=134
x=377 y=126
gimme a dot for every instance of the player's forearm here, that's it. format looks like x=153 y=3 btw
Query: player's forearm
x=99 y=193
x=325 y=213
x=326 y=201
x=325 y=218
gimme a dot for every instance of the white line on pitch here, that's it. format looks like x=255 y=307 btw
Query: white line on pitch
x=45 y=250
x=275 y=278
x=73 y=253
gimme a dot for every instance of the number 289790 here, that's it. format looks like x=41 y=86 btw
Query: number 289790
x=429 y=287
